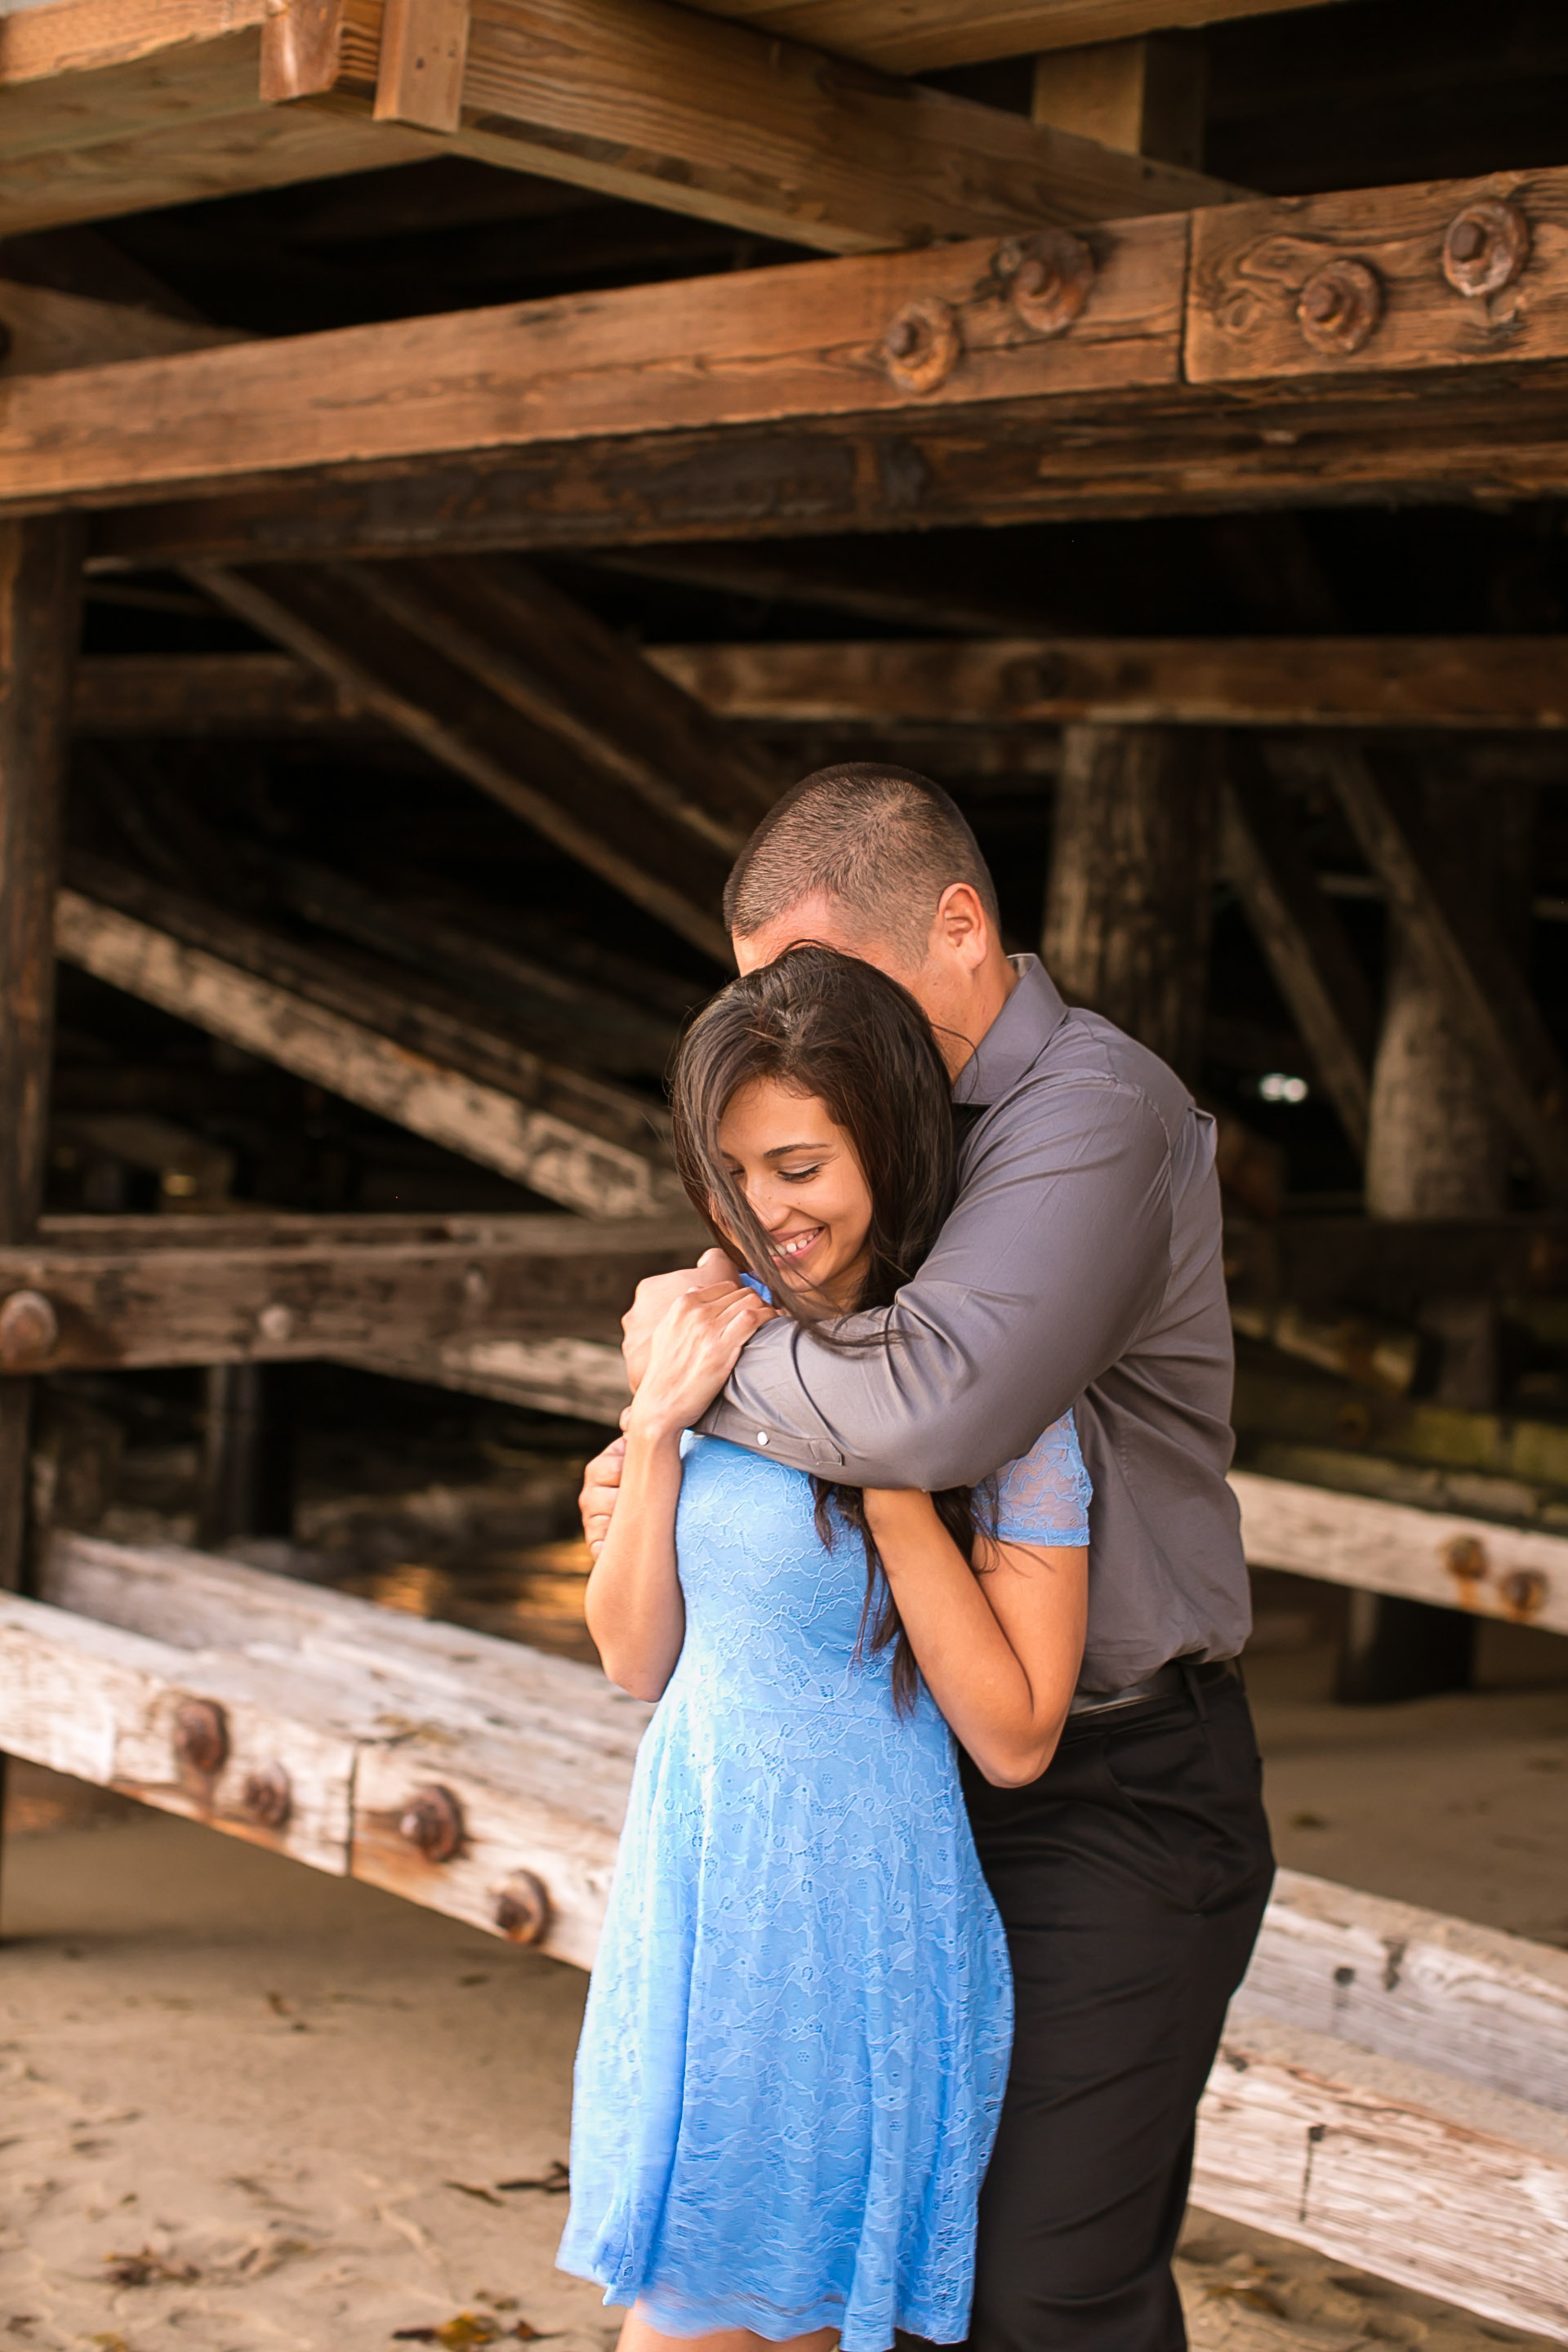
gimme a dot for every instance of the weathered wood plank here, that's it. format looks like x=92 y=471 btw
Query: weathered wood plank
x=211 y=694
x=554 y=1278
x=914 y=36
x=556 y=1156
x=1393 y=1262
x=1316 y=285
x=419 y=72
x=1457 y=2191
x=1359 y=682
x=583 y=1377
x=1379 y=1547
x=755 y=345
x=49 y=331
x=1485 y=2007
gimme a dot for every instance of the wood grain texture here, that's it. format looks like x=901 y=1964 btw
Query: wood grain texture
x=583 y=1377
x=208 y=695
x=914 y=36
x=301 y=44
x=483 y=707
x=419 y=73
x=1181 y=681
x=750 y=346
x=1250 y=265
x=230 y=1304
x=554 y=1156
x=1451 y=1560
x=1487 y=2007
x=49 y=331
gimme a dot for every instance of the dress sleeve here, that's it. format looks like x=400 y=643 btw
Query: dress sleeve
x=1042 y=1497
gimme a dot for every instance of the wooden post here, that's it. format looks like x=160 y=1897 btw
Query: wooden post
x=1132 y=865
x=1437 y=1148
x=40 y=587
x=246 y=1482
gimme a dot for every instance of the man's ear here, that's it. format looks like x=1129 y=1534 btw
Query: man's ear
x=962 y=926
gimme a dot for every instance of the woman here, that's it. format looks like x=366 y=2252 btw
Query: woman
x=797 y=2029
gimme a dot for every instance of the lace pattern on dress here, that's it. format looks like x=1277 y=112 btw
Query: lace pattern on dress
x=1044 y=1496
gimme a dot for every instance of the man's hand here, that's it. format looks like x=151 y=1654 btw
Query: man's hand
x=601 y=1488
x=657 y=1294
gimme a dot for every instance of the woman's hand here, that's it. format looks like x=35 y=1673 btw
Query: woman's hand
x=694 y=1350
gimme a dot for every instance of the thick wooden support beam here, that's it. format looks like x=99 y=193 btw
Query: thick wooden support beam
x=1397 y=2167
x=586 y=1378
x=104 y=1301
x=211 y=694
x=1482 y=980
x=419 y=73
x=1393 y=1264
x=1301 y=936
x=1438 y=1557
x=283 y=1712
x=46 y=332
x=1128 y=900
x=1361 y=682
x=915 y=35
x=1146 y=96
x=578 y=737
x=486 y=1098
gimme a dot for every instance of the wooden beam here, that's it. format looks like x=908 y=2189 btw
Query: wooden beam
x=219 y=1692
x=916 y=36
x=1482 y=980
x=1392 y=2167
x=96 y=1305
x=480 y=1095
x=1393 y=1262
x=419 y=72
x=594 y=751
x=753 y=346
x=1440 y=1557
x=1302 y=939
x=1145 y=96
x=211 y=694
x=582 y=1377
x=1310 y=682
x=634 y=99
x=43 y=332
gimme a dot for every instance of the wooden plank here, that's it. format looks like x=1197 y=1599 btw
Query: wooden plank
x=1302 y=939
x=210 y=694
x=1362 y=682
x=419 y=73
x=1382 y=263
x=1482 y=980
x=553 y=1277
x=1457 y=2191
x=43 y=332
x=583 y=1377
x=301 y=50
x=1394 y=1263
x=481 y=706
x=916 y=36
x=557 y=1157
x=1453 y=1561
x=1485 y=2007
x=750 y=346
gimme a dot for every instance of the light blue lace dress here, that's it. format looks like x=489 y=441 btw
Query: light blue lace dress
x=799 y=2021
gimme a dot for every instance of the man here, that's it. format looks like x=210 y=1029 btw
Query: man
x=1080 y=1266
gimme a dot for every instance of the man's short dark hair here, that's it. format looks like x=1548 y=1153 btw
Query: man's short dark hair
x=882 y=843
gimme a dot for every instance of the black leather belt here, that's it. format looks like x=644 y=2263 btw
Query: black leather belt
x=1165 y=1682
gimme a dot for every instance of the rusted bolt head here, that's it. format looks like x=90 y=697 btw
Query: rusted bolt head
x=269 y=1796
x=1049 y=278
x=1522 y=1590
x=923 y=345
x=276 y=1322
x=30 y=1329
x=1340 y=305
x=1466 y=1558
x=522 y=1907
x=201 y=1735
x=433 y=1821
x=1486 y=246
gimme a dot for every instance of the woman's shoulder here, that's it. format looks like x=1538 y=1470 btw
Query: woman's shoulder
x=1043 y=1497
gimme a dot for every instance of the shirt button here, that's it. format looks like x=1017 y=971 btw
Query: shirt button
x=762 y=1437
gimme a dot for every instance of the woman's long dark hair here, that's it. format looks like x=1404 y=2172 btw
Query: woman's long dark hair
x=827 y=1024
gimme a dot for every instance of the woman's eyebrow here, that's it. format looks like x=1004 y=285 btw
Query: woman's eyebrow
x=780 y=1149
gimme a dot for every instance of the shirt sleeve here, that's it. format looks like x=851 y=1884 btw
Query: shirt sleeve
x=1044 y=1496
x=1056 y=1254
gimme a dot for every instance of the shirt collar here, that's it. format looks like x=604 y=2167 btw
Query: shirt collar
x=1016 y=1039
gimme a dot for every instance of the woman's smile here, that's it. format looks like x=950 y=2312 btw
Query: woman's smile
x=794 y=1163
x=795 y=1245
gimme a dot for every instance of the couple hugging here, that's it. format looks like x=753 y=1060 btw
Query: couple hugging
x=945 y=1849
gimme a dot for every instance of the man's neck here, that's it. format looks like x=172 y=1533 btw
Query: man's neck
x=993 y=983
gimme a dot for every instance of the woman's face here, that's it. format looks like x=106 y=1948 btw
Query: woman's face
x=803 y=1182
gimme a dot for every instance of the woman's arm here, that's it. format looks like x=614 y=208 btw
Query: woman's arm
x=633 y=1605
x=999 y=1651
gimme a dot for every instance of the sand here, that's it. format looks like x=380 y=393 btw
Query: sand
x=247 y=2108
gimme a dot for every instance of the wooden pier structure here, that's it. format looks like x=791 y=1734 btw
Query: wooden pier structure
x=565 y=419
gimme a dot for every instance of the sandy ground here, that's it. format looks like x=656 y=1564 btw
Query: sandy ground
x=248 y=2108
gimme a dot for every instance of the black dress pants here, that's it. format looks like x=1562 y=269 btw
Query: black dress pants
x=1131 y=1879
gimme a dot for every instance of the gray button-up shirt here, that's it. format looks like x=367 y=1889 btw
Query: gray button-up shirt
x=1081 y=1266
